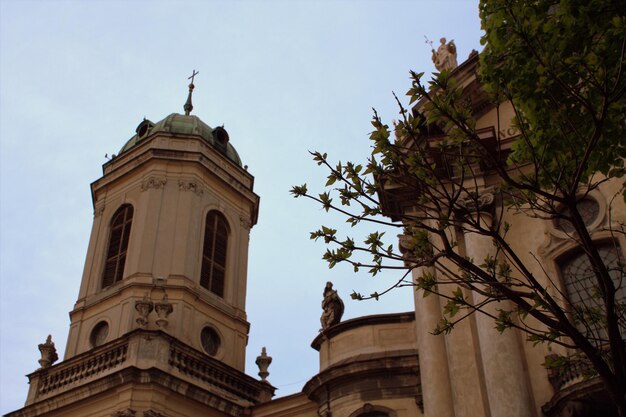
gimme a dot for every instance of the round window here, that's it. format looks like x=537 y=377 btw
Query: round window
x=210 y=341
x=99 y=334
x=589 y=210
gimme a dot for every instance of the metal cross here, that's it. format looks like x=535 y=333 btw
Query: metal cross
x=193 y=75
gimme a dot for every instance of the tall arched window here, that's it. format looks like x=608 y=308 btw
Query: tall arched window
x=214 y=253
x=118 y=244
x=582 y=290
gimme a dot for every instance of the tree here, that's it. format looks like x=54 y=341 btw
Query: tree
x=559 y=67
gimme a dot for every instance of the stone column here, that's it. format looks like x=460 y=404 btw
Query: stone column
x=502 y=355
x=433 y=358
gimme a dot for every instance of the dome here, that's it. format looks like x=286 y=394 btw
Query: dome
x=185 y=125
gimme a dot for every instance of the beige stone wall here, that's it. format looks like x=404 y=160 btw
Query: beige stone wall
x=366 y=339
x=367 y=363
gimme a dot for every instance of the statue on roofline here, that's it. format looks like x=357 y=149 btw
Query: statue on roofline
x=445 y=56
x=332 y=306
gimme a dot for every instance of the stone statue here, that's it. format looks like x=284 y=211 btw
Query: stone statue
x=332 y=306
x=445 y=56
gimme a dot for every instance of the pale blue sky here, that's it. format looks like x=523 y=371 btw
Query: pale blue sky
x=285 y=77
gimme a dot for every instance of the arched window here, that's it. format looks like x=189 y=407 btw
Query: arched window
x=581 y=286
x=118 y=245
x=214 y=253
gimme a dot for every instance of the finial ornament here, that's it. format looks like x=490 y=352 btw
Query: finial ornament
x=48 y=353
x=163 y=309
x=188 y=107
x=263 y=362
x=144 y=307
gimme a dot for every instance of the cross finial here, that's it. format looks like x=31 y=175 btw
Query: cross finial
x=188 y=107
x=194 y=73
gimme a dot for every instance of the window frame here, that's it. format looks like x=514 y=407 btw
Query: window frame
x=214 y=255
x=118 y=255
x=572 y=253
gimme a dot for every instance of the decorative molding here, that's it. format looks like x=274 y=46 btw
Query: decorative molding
x=153 y=182
x=186 y=185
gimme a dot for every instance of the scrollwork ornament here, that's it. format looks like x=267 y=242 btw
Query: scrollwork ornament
x=153 y=182
x=481 y=202
x=190 y=186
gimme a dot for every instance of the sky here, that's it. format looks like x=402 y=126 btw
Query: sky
x=283 y=77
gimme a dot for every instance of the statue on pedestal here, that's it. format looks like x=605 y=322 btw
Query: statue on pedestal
x=332 y=306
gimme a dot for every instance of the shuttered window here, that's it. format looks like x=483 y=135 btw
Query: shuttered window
x=118 y=244
x=213 y=271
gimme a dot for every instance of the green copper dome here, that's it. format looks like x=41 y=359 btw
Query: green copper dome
x=179 y=124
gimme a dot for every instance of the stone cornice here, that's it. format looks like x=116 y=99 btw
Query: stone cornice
x=376 y=319
x=345 y=376
x=195 y=152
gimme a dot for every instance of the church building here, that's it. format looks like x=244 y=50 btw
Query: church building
x=159 y=328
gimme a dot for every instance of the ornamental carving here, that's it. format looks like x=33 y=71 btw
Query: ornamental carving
x=184 y=185
x=480 y=202
x=143 y=307
x=153 y=182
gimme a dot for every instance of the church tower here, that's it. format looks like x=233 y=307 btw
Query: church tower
x=160 y=325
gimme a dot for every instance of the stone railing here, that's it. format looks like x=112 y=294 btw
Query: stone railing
x=208 y=370
x=153 y=353
x=76 y=370
x=575 y=370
